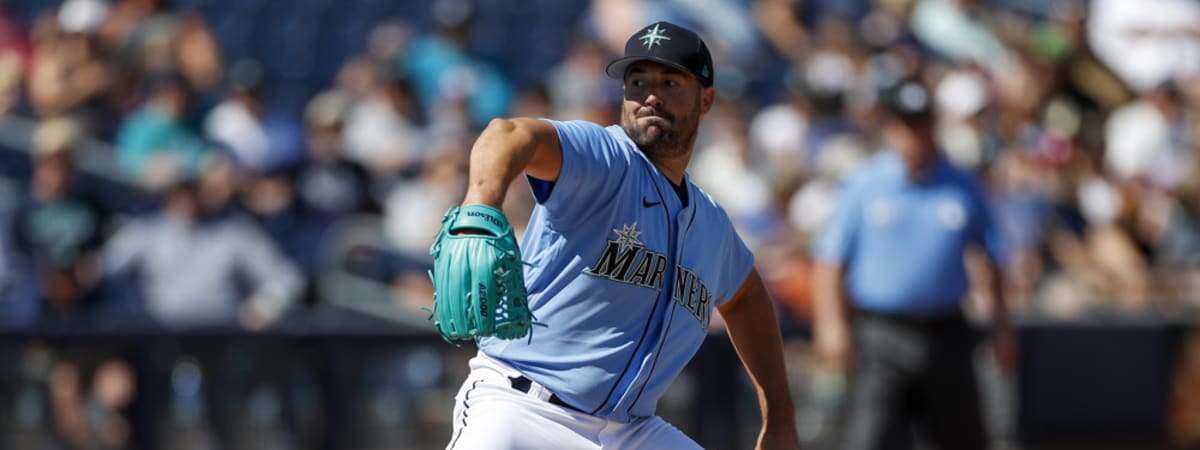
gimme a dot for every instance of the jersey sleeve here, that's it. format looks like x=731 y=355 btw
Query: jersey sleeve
x=740 y=262
x=835 y=240
x=593 y=167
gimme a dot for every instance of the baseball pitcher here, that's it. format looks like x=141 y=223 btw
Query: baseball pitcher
x=583 y=326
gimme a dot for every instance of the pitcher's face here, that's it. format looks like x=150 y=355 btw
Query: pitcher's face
x=662 y=108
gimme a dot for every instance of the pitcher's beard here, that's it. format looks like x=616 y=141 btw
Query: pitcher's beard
x=650 y=136
x=658 y=141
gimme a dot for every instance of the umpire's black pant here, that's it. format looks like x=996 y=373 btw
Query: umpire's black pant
x=913 y=375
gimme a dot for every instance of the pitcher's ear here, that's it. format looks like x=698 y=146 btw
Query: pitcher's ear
x=708 y=95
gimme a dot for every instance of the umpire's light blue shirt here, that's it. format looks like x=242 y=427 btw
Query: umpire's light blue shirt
x=902 y=239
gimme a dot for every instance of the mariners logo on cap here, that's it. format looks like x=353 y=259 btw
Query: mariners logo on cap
x=654 y=36
x=683 y=49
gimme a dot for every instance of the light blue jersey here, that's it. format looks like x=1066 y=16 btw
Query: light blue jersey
x=625 y=276
x=902 y=241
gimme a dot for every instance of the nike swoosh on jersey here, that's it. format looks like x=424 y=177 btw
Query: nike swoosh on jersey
x=648 y=204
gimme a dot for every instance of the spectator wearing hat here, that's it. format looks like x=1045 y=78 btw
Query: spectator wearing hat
x=58 y=229
x=329 y=184
x=890 y=283
x=298 y=202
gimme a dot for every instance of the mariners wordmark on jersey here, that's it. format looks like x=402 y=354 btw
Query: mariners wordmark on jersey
x=626 y=260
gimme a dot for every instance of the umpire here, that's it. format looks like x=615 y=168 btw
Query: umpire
x=889 y=285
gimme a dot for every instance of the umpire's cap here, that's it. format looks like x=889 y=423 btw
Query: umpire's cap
x=670 y=44
x=908 y=101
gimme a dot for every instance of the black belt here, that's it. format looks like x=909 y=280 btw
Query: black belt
x=930 y=323
x=523 y=383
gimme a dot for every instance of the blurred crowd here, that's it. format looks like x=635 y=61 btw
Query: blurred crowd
x=159 y=169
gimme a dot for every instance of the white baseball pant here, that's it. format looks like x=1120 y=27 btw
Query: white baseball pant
x=489 y=413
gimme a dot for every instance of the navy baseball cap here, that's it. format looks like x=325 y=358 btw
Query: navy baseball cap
x=669 y=44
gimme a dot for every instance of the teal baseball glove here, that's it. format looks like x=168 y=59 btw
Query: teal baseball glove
x=478 y=279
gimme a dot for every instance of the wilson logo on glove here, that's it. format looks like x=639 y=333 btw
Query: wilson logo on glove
x=499 y=223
